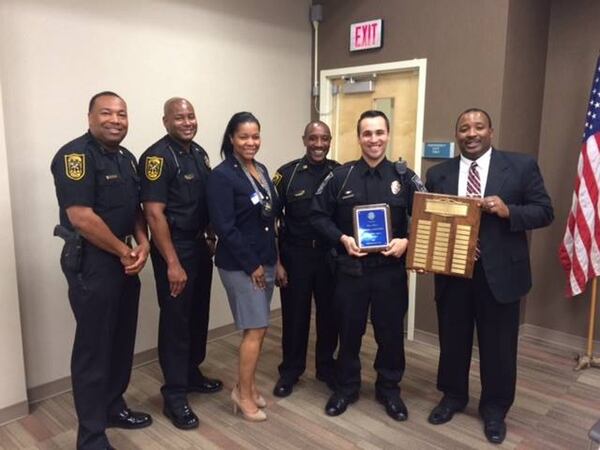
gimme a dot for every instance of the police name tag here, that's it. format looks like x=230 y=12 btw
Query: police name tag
x=372 y=227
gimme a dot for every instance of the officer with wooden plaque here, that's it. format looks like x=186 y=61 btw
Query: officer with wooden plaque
x=375 y=279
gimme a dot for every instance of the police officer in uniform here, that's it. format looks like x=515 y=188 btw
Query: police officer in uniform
x=303 y=257
x=174 y=198
x=97 y=187
x=366 y=279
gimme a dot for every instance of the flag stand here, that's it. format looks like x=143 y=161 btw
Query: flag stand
x=588 y=360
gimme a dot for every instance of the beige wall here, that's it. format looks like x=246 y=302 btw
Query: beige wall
x=224 y=56
x=12 y=375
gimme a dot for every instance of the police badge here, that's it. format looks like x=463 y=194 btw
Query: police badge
x=75 y=166
x=154 y=166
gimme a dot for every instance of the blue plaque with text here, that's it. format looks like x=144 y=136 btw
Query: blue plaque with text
x=372 y=226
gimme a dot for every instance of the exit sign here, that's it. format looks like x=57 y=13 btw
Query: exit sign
x=366 y=35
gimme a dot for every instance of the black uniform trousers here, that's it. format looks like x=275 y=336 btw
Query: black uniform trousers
x=105 y=304
x=183 y=322
x=384 y=289
x=464 y=304
x=308 y=274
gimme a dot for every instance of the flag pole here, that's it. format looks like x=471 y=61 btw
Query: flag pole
x=588 y=360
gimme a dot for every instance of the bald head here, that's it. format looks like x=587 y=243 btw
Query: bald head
x=316 y=123
x=316 y=139
x=180 y=120
x=170 y=104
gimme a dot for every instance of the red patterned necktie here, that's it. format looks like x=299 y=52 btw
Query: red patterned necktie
x=474 y=190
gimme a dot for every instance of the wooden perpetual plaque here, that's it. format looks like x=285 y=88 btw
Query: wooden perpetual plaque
x=443 y=234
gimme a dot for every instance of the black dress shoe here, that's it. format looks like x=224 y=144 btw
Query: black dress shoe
x=394 y=407
x=283 y=388
x=184 y=418
x=130 y=420
x=442 y=413
x=206 y=385
x=337 y=404
x=495 y=430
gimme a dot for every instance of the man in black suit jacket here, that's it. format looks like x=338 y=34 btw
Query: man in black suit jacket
x=514 y=201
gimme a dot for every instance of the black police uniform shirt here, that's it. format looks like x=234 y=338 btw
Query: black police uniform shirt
x=178 y=179
x=296 y=183
x=86 y=174
x=355 y=183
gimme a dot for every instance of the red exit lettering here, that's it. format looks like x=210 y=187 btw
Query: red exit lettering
x=366 y=35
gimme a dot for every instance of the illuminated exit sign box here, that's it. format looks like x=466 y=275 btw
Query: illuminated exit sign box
x=366 y=35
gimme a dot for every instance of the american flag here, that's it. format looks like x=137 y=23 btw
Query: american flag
x=579 y=251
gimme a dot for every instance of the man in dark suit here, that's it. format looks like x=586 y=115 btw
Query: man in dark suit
x=514 y=201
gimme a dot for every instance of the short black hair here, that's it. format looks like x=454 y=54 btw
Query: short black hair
x=236 y=120
x=472 y=110
x=371 y=113
x=102 y=94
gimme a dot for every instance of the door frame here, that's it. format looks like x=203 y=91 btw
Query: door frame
x=325 y=114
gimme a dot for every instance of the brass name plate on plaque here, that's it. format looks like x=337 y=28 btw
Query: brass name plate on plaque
x=443 y=234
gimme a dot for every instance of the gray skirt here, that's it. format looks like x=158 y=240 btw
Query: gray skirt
x=250 y=306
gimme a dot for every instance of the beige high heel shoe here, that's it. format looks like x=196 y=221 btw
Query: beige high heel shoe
x=257 y=416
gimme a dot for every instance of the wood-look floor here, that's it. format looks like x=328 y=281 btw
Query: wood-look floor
x=554 y=408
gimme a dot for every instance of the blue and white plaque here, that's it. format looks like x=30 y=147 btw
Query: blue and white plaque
x=372 y=227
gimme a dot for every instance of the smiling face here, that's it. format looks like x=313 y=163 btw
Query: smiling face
x=108 y=120
x=180 y=121
x=373 y=136
x=473 y=134
x=317 y=140
x=246 y=141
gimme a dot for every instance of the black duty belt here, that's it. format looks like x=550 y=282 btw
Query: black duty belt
x=308 y=243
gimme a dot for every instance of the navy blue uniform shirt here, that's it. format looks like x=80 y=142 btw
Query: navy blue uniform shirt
x=86 y=174
x=178 y=179
x=354 y=184
x=246 y=237
x=296 y=183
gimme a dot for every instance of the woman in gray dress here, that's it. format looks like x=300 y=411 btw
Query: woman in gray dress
x=243 y=204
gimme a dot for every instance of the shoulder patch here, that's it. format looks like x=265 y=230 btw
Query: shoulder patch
x=418 y=183
x=153 y=168
x=75 y=166
x=324 y=183
x=277 y=178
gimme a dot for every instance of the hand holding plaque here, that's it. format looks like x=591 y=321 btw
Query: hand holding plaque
x=372 y=227
x=443 y=234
